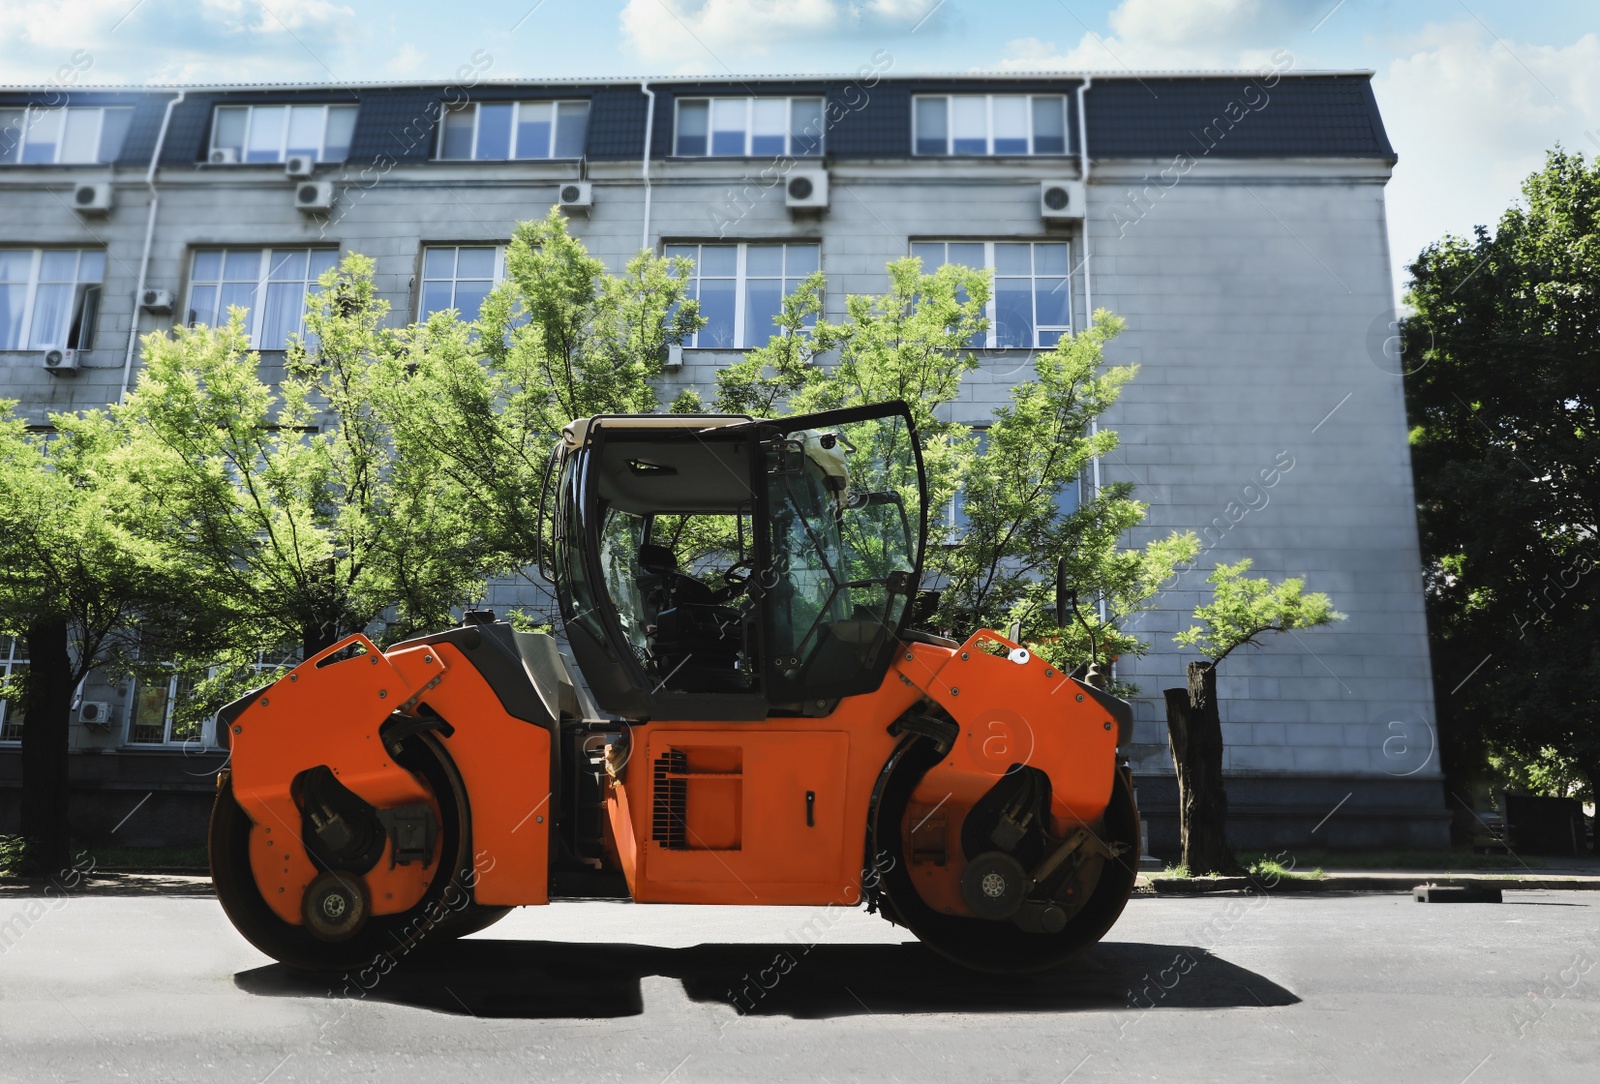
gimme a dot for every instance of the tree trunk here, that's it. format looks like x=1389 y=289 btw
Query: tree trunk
x=1194 y=734
x=1593 y=772
x=45 y=732
x=315 y=639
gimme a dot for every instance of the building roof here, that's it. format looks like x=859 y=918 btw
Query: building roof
x=1129 y=115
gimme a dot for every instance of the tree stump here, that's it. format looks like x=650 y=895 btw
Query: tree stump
x=1194 y=735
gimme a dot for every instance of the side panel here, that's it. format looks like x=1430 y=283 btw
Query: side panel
x=1017 y=709
x=734 y=819
x=327 y=711
x=1013 y=709
x=505 y=767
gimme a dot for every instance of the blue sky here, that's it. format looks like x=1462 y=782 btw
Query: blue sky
x=1472 y=91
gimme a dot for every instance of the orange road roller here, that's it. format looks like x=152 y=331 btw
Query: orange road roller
x=743 y=712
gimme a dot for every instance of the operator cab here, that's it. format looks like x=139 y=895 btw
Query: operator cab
x=723 y=567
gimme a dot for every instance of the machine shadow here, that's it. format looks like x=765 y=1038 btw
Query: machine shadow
x=541 y=980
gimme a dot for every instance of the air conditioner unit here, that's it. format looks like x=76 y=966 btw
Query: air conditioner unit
x=92 y=199
x=300 y=166
x=225 y=156
x=674 y=360
x=1061 y=199
x=59 y=360
x=96 y=713
x=314 y=196
x=156 y=301
x=577 y=196
x=806 y=190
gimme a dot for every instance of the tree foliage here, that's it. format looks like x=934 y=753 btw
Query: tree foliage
x=84 y=582
x=1504 y=348
x=1245 y=608
x=559 y=339
x=308 y=512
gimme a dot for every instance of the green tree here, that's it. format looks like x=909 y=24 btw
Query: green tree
x=306 y=509
x=1242 y=610
x=83 y=583
x=1504 y=353
x=913 y=343
x=559 y=339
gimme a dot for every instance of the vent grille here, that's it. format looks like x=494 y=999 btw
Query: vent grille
x=668 y=823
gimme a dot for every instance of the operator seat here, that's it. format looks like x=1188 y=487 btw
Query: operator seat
x=696 y=641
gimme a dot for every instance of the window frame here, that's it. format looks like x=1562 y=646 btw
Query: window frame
x=953 y=515
x=81 y=290
x=555 y=105
x=422 y=271
x=788 y=101
x=258 y=296
x=11 y=659
x=990 y=341
x=1028 y=98
x=206 y=736
x=283 y=141
x=740 y=280
x=32 y=110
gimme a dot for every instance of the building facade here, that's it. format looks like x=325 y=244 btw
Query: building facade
x=1236 y=222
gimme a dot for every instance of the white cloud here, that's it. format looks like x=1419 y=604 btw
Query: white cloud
x=682 y=32
x=279 y=16
x=1470 y=117
x=1151 y=35
x=109 y=41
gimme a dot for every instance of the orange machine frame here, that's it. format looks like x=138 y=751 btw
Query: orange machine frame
x=775 y=811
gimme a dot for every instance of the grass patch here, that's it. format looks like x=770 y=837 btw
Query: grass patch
x=194 y=858
x=1267 y=866
x=13 y=857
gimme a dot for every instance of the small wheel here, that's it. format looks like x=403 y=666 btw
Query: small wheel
x=336 y=906
x=997 y=947
x=360 y=940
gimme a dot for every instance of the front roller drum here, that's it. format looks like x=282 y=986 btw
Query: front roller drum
x=995 y=944
x=339 y=930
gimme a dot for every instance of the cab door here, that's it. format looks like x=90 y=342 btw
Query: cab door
x=843 y=512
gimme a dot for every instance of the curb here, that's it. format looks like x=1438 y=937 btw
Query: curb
x=1201 y=886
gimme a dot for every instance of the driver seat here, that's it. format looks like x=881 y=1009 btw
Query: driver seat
x=695 y=640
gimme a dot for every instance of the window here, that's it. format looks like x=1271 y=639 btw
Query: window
x=496 y=131
x=154 y=706
x=458 y=277
x=741 y=288
x=13 y=660
x=271 y=282
x=991 y=124
x=1067 y=499
x=746 y=127
x=271 y=133
x=49 y=297
x=1032 y=302
x=65 y=135
x=152 y=716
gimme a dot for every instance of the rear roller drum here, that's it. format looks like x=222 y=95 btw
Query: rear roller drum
x=336 y=905
x=1016 y=938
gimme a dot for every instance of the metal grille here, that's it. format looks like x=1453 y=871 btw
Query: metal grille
x=671 y=805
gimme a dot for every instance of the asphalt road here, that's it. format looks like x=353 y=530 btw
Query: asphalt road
x=1345 y=989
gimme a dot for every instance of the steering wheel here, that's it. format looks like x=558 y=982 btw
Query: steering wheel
x=736 y=577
